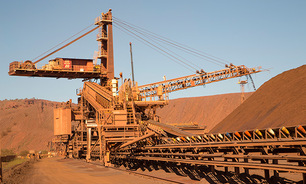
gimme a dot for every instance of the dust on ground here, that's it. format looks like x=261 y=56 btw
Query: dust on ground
x=19 y=173
x=60 y=170
x=65 y=171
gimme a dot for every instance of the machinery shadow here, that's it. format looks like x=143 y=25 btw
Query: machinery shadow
x=205 y=173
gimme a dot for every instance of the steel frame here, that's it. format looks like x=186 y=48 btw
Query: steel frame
x=281 y=152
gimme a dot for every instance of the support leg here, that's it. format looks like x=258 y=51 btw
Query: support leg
x=225 y=168
x=276 y=174
x=246 y=170
x=237 y=170
x=267 y=174
x=88 y=144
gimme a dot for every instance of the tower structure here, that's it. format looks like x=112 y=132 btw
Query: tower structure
x=105 y=39
x=242 y=83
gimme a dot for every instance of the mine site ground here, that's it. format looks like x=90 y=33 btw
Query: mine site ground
x=62 y=170
x=268 y=106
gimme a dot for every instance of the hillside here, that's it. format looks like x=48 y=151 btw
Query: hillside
x=26 y=124
x=280 y=101
x=206 y=111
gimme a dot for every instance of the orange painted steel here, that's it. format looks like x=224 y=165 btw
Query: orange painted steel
x=62 y=121
x=301 y=129
x=238 y=134
x=150 y=90
x=247 y=133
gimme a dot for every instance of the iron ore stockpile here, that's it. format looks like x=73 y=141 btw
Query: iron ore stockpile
x=119 y=126
x=192 y=111
x=278 y=102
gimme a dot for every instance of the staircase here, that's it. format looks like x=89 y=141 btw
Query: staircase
x=130 y=114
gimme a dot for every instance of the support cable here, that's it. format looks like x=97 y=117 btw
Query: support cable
x=252 y=82
x=67 y=44
x=63 y=41
x=156 y=47
x=176 y=44
x=190 y=51
x=154 y=40
x=142 y=41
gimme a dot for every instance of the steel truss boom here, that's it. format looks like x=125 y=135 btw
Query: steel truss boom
x=167 y=86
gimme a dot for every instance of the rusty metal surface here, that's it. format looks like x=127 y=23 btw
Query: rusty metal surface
x=105 y=38
x=62 y=121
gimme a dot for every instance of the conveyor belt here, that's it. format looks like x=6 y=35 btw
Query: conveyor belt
x=171 y=129
x=96 y=95
x=283 y=150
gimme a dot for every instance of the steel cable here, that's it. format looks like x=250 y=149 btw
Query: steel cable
x=156 y=47
x=192 y=52
x=163 y=46
x=176 y=44
x=151 y=46
x=67 y=44
x=63 y=42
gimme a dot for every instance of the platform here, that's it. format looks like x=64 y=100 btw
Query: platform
x=70 y=74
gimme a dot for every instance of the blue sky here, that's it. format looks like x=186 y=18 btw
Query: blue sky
x=270 y=34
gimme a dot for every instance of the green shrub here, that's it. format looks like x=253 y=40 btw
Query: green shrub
x=24 y=153
x=44 y=152
x=5 y=152
x=9 y=129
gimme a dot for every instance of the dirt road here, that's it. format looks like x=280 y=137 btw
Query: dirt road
x=59 y=170
x=62 y=171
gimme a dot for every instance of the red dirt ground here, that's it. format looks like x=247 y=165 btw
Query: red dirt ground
x=279 y=102
x=59 y=170
x=206 y=111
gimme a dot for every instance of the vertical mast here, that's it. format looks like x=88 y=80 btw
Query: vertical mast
x=105 y=39
x=132 y=65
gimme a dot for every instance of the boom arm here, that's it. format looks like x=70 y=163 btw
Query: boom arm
x=167 y=86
